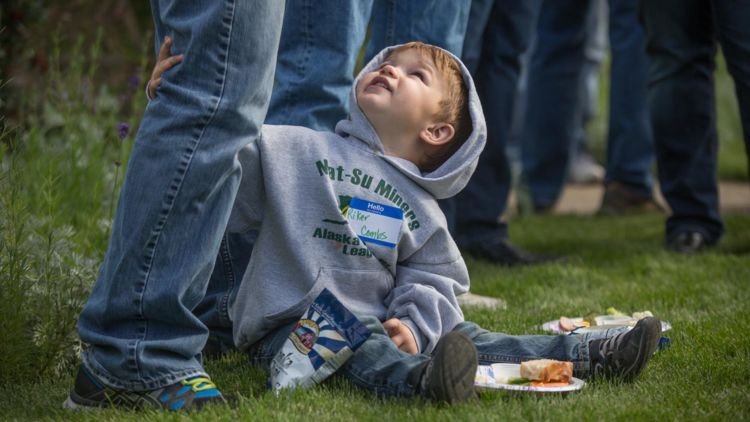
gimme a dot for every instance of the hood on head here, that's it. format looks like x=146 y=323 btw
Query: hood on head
x=453 y=175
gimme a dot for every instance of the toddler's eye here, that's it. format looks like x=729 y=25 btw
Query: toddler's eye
x=419 y=75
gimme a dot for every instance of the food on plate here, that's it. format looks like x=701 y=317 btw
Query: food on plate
x=640 y=315
x=568 y=324
x=613 y=311
x=547 y=371
x=612 y=317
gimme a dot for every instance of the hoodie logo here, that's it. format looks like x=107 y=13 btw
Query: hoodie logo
x=343 y=207
x=358 y=177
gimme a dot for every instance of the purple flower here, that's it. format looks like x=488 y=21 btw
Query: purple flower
x=134 y=82
x=122 y=130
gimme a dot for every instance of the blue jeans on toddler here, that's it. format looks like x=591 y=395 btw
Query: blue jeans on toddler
x=380 y=367
x=178 y=192
x=682 y=38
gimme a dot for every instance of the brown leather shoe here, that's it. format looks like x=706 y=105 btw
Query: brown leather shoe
x=620 y=199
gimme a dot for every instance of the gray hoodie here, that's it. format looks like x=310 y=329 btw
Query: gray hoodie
x=296 y=187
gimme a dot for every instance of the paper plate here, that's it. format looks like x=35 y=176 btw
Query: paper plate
x=490 y=377
x=554 y=326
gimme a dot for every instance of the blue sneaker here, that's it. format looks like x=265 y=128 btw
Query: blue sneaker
x=189 y=394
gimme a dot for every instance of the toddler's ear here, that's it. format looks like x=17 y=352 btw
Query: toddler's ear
x=437 y=134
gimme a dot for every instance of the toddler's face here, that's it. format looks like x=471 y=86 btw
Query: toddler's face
x=404 y=92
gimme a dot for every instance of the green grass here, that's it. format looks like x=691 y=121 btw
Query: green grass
x=616 y=262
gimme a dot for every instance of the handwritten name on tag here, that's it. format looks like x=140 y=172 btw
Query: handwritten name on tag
x=375 y=223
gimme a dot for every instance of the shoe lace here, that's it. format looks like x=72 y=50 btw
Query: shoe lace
x=606 y=361
x=199 y=384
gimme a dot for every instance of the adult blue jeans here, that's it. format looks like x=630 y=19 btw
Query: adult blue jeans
x=498 y=34
x=321 y=41
x=682 y=38
x=553 y=107
x=437 y=22
x=380 y=367
x=319 y=47
x=178 y=192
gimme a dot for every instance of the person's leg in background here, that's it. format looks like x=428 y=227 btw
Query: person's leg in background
x=630 y=151
x=319 y=46
x=734 y=36
x=437 y=22
x=178 y=192
x=583 y=167
x=681 y=49
x=552 y=110
x=494 y=47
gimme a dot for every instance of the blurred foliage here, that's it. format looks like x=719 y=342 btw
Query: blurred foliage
x=30 y=31
x=72 y=100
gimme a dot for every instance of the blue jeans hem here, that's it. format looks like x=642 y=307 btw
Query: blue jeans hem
x=142 y=385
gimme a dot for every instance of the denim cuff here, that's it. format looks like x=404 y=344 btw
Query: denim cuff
x=583 y=365
x=137 y=385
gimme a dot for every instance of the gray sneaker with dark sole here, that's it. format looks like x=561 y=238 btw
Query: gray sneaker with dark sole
x=625 y=355
x=449 y=375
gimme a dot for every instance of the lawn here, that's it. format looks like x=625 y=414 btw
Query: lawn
x=610 y=262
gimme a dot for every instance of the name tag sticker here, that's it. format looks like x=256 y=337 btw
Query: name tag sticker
x=375 y=223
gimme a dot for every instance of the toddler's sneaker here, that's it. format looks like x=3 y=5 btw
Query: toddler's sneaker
x=190 y=394
x=449 y=375
x=626 y=354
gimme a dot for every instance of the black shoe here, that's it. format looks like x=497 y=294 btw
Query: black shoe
x=501 y=251
x=688 y=242
x=626 y=354
x=190 y=394
x=450 y=373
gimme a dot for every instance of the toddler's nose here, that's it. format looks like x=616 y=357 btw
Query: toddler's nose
x=389 y=70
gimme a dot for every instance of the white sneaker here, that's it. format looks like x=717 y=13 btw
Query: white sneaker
x=476 y=301
x=585 y=170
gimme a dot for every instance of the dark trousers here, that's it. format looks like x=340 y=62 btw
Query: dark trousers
x=682 y=44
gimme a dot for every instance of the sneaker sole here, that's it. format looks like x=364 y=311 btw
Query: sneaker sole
x=70 y=404
x=456 y=383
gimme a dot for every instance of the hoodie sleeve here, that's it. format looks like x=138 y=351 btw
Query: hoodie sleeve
x=427 y=284
x=247 y=212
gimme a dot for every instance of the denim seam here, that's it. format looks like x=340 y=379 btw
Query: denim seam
x=182 y=171
x=300 y=65
x=226 y=259
x=390 y=31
